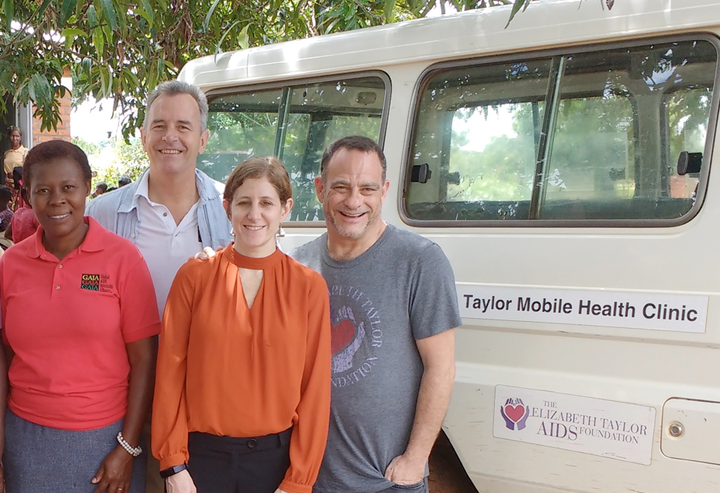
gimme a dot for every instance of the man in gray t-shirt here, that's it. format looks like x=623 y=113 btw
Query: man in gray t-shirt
x=393 y=308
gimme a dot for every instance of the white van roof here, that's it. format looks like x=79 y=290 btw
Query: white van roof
x=478 y=32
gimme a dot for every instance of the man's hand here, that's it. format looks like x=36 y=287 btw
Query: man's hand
x=180 y=483
x=405 y=471
x=114 y=473
x=206 y=253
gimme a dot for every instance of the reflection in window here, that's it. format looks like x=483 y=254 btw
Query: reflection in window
x=294 y=123
x=606 y=148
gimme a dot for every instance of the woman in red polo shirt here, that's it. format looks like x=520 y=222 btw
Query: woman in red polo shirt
x=79 y=322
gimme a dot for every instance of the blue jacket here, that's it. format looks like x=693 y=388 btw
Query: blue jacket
x=117 y=212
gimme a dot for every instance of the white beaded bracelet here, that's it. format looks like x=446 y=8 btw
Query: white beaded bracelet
x=134 y=451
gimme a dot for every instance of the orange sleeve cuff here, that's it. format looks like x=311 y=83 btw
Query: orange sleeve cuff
x=174 y=460
x=294 y=487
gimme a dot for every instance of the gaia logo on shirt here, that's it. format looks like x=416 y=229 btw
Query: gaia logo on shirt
x=90 y=282
x=356 y=335
x=96 y=282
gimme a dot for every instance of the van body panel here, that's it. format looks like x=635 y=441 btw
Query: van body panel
x=660 y=369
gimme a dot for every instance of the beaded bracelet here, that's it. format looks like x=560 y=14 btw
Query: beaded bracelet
x=134 y=451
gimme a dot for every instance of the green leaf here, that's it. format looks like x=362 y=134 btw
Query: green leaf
x=389 y=7
x=98 y=39
x=9 y=13
x=109 y=11
x=66 y=10
x=42 y=88
x=243 y=38
x=206 y=22
x=516 y=8
x=31 y=89
x=92 y=16
x=149 y=11
x=43 y=8
x=145 y=15
x=71 y=34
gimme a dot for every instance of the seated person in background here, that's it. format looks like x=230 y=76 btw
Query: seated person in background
x=6 y=216
x=80 y=325
x=23 y=223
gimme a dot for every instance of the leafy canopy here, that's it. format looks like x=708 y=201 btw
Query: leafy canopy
x=121 y=50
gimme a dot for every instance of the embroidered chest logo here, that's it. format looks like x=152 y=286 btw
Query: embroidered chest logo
x=96 y=282
x=356 y=335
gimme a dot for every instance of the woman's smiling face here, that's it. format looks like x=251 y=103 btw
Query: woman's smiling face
x=256 y=212
x=57 y=193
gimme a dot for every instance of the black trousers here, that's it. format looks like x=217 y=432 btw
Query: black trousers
x=238 y=465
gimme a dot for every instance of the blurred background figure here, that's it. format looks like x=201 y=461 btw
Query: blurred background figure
x=100 y=189
x=23 y=223
x=124 y=180
x=15 y=156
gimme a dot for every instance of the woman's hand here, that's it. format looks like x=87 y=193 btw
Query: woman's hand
x=114 y=473
x=180 y=483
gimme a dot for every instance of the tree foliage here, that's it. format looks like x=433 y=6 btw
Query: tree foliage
x=121 y=49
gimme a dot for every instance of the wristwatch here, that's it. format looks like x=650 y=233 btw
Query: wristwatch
x=171 y=471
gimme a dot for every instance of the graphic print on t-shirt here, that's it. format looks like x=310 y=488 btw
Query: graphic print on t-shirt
x=356 y=335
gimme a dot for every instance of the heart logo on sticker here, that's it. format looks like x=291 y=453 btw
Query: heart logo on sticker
x=515 y=413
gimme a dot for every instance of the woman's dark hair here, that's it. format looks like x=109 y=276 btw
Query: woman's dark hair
x=49 y=151
x=5 y=194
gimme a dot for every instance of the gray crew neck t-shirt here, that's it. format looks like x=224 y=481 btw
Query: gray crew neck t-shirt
x=399 y=290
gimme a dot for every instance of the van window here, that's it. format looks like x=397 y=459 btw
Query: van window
x=295 y=123
x=589 y=138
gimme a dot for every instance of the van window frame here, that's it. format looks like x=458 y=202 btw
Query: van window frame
x=285 y=85
x=574 y=50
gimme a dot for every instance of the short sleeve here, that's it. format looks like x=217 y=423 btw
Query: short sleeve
x=433 y=298
x=138 y=309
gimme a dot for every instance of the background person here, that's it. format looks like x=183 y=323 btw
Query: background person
x=13 y=157
x=100 y=189
x=23 y=223
x=80 y=327
x=243 y=382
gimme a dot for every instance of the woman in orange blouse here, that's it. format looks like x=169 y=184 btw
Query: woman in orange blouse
x=242 y=395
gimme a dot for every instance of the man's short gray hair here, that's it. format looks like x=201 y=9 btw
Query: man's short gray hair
x=174 y=88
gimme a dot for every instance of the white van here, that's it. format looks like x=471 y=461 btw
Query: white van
x=564 y=164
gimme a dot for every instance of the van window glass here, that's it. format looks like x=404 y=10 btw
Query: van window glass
x=585 y=137
x=295 y=123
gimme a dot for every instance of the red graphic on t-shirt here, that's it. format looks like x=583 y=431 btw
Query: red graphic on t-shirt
x=342 y=335
x=346 y=339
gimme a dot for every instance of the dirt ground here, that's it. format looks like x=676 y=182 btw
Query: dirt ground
x=446 y=472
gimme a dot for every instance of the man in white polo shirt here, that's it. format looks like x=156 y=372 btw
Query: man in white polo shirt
x=173 y=210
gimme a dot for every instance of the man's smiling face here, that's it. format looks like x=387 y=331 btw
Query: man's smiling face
x=172 y=136
x=352 y=192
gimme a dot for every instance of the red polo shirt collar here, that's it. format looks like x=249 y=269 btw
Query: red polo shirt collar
x=93 y=242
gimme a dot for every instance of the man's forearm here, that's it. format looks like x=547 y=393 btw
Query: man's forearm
x=432 y=403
